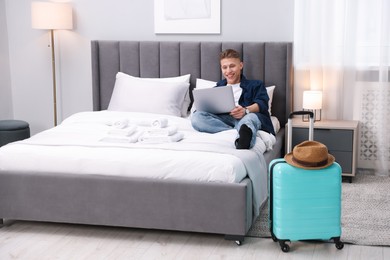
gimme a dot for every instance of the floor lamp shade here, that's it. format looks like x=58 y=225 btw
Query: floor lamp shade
x=52 y=16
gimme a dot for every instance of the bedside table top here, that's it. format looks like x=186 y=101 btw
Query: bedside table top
x=324 y=123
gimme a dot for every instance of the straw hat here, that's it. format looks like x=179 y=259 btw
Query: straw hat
x=310 y=155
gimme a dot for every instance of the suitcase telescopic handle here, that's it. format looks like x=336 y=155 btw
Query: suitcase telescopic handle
x=296 y=113
x=289 y=127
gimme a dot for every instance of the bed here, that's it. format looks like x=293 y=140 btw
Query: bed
x=58 y=194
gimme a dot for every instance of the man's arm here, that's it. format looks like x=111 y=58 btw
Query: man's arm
x=258 y=104
x=254 y=108
x=239 y=112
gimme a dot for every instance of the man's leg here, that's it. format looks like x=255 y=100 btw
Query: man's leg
x=247 y=128
x=210 y=123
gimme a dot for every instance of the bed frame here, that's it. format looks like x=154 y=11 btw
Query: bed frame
x=156 y=204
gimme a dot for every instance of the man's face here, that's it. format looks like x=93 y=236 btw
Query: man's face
x=231 y=70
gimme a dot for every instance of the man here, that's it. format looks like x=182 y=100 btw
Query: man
x=251 y=111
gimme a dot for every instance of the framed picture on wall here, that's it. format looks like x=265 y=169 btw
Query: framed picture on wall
x=187 y=16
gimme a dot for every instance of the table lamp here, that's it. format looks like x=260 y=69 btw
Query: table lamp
x=312 y=101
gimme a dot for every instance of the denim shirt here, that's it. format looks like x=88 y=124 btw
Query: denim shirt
x=254 y=91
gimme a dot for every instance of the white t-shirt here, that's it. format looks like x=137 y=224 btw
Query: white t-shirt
x=237 y=90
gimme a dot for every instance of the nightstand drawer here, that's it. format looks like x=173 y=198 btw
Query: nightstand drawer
x=334 y=139
x=344 y=159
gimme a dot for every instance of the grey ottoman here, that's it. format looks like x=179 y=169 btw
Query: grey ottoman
x=13 y=130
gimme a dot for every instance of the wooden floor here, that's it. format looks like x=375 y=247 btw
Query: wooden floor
x=37 y=240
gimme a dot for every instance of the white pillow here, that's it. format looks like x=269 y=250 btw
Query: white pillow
x=184 y=78
x=275 y=123
x=201 y=84
x=270 y=92
x=135 y=94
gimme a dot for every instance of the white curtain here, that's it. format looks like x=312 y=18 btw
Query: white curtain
x=342 y=47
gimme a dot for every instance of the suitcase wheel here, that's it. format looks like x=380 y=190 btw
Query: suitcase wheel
x=285 y=248
x=339 y=245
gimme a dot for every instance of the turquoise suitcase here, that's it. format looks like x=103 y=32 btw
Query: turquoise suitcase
x=304 y=204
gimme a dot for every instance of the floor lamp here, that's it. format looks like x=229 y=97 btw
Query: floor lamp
x=52 y=16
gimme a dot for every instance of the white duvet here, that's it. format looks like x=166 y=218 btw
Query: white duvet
x=77 y=146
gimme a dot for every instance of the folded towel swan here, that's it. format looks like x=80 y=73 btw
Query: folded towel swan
x=120 y=124
x=153 y=139
x=142 y=130
x=161 y=122
x=170 y=130
x=122 y=139
x=127 y=131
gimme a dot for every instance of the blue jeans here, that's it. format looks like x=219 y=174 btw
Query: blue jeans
x=211 y=123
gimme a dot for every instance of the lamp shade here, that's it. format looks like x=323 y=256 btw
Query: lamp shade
x=312 y=99
x=45 y=15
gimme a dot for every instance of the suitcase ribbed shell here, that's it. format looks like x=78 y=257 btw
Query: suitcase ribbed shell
x=306 y=204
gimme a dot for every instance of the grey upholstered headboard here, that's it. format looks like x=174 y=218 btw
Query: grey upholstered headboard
x=267 y=61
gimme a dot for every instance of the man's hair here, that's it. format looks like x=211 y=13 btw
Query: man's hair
x=229 y=53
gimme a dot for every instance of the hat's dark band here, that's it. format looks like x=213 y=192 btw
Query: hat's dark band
x=310 y=164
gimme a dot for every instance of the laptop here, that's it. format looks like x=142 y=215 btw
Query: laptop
x=217 y=100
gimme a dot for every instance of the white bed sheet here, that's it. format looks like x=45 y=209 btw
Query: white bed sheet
x=74 y=147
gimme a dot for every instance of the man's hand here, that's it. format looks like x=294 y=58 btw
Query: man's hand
x=238 y=112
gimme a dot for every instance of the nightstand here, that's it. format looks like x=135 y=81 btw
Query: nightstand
x=340 y=136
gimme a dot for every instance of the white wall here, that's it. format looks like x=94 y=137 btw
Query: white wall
x=30 y=65
x=5 y=76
